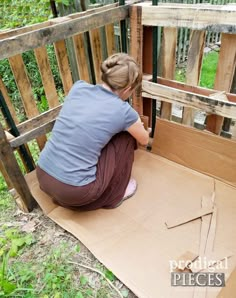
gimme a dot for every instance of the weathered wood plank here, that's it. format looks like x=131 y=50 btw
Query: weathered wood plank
x=96 y=48
x=168 y=54
x=24 y=87
x=37 y=38
x=189 y=88
x=210 y=149
x=8 y=101
x=81 y=58
x=136 y=51
x=224 y=75
x=110 y=39
x=5 y=175
x=207 y=104
x=18 y=31
x=32 y=134
x=46 y=75
x=194 y=63
x=220 y=19
x=63 y=64
x=8 y=159
x=39 y=120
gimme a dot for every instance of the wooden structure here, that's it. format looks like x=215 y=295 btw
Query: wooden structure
x=143 y=17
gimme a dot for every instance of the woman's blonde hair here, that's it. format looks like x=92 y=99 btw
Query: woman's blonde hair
x=120 y=71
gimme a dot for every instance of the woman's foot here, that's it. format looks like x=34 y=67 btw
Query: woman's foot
x=130 y=191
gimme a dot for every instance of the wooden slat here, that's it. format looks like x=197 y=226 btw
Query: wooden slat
x=136 y=51
x=205 y=103
x=110 y=39
x=203 y=151
x=63 y=64
x=96 y=48
x=8 y=101
x=8 y=159
x=216 y=19
x=39 y=120
x=224 y=75
x=189 y=88
x=168 y=55
x=194 y=63
x=46 y=75
x=32 y=134
x=81 y=58
x=23 y=84
x=37 y=38
x=5 y=175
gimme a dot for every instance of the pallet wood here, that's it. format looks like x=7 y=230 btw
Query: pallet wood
x=37 y=38
x=168 y=142
x=189 y=88
x=168 y=55
x=224 y=75
x=216 y=19
x=5 y=175
x=110 y=39
x=96 y=47
x=46 y=75
x=194 y=63
x=81 y=58
x=136 y=51
x=32 y=134
x=205 y=103
x=63 y=64
x=10 y=164
x=39 y=120
x=8 y=101
x=24 y=87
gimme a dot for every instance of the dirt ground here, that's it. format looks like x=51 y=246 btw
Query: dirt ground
x=51 y=239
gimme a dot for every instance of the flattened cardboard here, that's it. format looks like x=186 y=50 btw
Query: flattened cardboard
x=202 y=151
x=133 y=241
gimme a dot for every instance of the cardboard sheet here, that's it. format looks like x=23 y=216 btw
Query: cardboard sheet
x=133 y=240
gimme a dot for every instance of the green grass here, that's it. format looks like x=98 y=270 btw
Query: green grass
x=208 y=71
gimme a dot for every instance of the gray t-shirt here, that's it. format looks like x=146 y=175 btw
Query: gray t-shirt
x=91 y=115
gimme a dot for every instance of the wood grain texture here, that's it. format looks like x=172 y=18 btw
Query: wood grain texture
x=81 y=58
x=136 y=51
x=168 y=54
x=46 y=75
x=24 y=87
x=11 y=166
x=63 y=64
x=205 y=103
x=39 y=120
x=110 y=39
x=224 y=75
x=216 y=19
x=37 y=38
x=8 y=101
x=96 y=47
x=32 y=134
x=194 y=63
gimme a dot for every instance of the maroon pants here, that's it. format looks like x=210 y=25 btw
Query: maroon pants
x=112 y=177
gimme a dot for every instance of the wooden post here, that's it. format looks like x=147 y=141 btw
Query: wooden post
x=195 y=56
x=168 y=63
x=7 y=157
x=224 y=75
x=136 y=50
